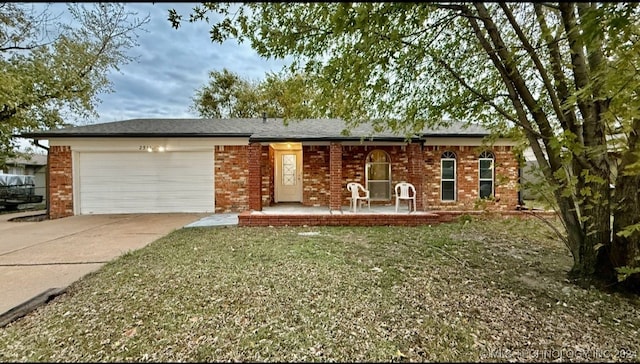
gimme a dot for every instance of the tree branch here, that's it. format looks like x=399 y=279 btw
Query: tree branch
x=536 y=61
x=568 y=115
x=594 y=127
x=20 y=48
x=526 y=126
x=504 y=61
x=515 y=84
x=578 y=62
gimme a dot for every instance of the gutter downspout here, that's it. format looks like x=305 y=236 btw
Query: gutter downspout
x=46 y=175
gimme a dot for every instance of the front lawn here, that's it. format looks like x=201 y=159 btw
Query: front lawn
x=480 y=290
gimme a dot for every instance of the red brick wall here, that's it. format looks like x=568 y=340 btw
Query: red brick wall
x=267 y=159
x=231 y=178
x=316 y=173
x=248 y=219
x=467 y=195
x=353 y=167
x=416 y=172
x=506 y=179
x=315 y=176
x=255 y=177
x=353 y=160
x=335 y=171
x=60 y=182
x=424 y=172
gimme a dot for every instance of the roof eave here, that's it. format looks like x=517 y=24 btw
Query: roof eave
x=276 y=139
x=131 y=135
x=456 y=135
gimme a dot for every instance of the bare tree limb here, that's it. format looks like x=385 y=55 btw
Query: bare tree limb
x=555 y=59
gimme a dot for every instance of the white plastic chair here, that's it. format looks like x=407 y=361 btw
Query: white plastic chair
x=405 y=191
x=356 y=198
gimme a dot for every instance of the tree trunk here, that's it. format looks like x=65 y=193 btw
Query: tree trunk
x=571 y=222
x=625 y=250
x=591 y=263
x=585 y=203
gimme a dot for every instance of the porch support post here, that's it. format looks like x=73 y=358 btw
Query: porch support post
x=255 y=177
x=335 y=176
x=416 y=172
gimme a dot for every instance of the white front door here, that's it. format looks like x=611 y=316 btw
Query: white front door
x=288 y=176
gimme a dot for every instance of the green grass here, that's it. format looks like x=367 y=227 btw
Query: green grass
x=480 y=290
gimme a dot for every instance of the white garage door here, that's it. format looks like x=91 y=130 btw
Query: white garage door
x=145 y=182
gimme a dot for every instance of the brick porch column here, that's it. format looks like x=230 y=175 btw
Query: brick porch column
x=255 y=177
x=416 y=172
x=335 y=176
x=60 y=197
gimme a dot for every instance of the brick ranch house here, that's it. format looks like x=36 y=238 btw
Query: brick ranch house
x=240 y=165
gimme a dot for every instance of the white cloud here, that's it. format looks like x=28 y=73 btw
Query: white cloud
x=172 y=64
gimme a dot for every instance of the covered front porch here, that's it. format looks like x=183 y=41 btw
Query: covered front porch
x=315 y=174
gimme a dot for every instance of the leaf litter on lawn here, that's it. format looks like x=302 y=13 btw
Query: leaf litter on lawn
x=481 y=290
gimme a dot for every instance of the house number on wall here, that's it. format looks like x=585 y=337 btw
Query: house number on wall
x=151 y=148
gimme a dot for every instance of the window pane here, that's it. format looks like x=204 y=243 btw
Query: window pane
x=379 y=171
x=377 y=156
x=448 y=193
x=288 y=169
x=379 y=190
x=378 y=175
x=486 y=189
x=447 y=169
x=485 y=168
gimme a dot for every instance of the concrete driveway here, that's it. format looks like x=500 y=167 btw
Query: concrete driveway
x=37 y=256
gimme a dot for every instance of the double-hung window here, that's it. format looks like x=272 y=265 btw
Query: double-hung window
x=485 y=174
x=448 y=176
x=378 y=173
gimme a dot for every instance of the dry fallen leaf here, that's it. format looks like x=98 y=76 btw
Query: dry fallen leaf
x=130 y=332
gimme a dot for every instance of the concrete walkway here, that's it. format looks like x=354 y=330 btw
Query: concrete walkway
x=216 y=220
x=41 y=255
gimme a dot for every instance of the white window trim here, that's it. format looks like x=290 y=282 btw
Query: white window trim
x=492 y=179
x=454 y=179
x=366 y=174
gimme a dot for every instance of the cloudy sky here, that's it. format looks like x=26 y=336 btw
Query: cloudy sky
x=172 y=64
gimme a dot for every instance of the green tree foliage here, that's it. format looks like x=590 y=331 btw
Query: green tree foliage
x=563 y=76
x=50 y=69
x=228 y=95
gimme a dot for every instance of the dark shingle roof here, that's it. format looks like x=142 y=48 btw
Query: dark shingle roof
x=255 y=129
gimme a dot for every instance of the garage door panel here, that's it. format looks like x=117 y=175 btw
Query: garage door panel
x=146 y=182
